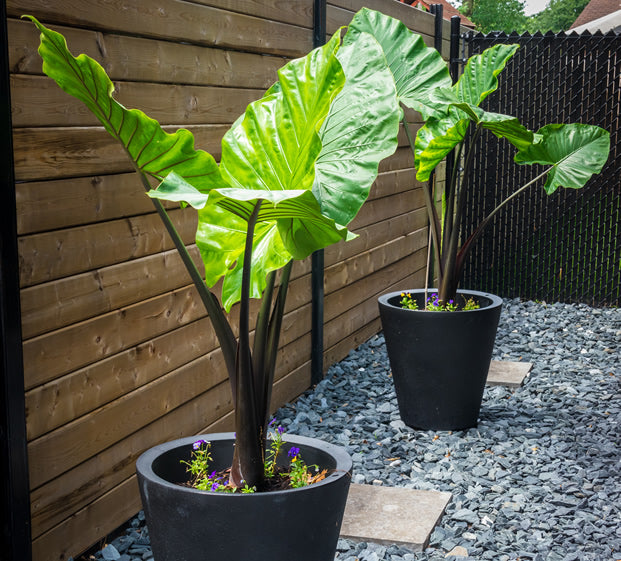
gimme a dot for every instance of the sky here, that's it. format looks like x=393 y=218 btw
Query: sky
x=534 y=6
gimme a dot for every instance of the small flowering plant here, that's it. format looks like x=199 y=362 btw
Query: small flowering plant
x=296 y=475
x=434 y=304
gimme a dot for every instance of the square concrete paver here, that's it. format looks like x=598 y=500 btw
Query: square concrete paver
x=510 y=374
x=392 y=515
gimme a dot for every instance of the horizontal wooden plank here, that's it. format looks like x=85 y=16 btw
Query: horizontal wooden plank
x=46 y=356
x=385 y=208
x=36 y=101
x=49 y=356
x=89 y=525
x=67 y=494
x=176 y=21
x=85 y=437
x=360 y=315
x=55 y=205
x=53 y=305
x=416 y=20
x=342 y=302
x=348 y=271
x=60 y=253
x=375 y=234
x=58 y=402
x=342 y=348
x=54 y=153
x=58 y=152
x=147 y=60
x=368 y=322
x=298 y=13
x=393 y=182
x=401 y=159
x=398 y=10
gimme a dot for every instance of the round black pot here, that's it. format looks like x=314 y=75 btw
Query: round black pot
x=186 y=524
x=439 y=360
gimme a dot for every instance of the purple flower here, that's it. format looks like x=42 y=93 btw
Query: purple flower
x=293 y=452
x=272 y=422
x=281 y=430
x=214 y=486
x=198 y=444
x=212 y=474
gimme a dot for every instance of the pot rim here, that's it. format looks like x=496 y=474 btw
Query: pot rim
x=145 y=461
x=383 y=300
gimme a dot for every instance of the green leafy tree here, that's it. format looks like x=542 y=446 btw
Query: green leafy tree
x=558 y=16
x=495 y=15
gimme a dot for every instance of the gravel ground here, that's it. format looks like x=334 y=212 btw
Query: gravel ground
x=538 y=479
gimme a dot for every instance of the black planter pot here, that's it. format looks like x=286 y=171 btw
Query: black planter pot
x=439 y=360
x=186 y=524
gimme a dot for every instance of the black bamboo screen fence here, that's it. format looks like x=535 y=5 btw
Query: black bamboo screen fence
x=565 y=247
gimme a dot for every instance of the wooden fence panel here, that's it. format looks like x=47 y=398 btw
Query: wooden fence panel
x=119 y=354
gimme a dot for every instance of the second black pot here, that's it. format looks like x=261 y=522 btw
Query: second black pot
x=439 y=360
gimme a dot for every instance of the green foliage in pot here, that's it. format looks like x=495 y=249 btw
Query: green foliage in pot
x=295 y=169
x=569 y=153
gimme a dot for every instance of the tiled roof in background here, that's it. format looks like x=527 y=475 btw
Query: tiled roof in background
x=596 y=9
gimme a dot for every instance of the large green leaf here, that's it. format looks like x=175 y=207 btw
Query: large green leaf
x=574 y=151
x=457 y=106
x=290 y=224
x=152 y=150
x=436 y=139
x=361 y=130
x=273 y=148
x=276 y=144
x=301 y=225
x=417 y=69
x=480 y=76
x=503 y=126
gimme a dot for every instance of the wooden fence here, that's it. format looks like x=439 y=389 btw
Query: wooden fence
x=118 y=351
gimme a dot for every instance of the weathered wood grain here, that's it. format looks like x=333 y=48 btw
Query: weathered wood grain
x=169 y=104
x=146 y=60
x=58 y=152
x=61 y=253
x=175 y=21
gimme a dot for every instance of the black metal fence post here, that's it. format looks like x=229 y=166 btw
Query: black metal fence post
x=317 y=259
x=15 y=536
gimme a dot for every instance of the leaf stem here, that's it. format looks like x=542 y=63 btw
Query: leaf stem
x=221 y=326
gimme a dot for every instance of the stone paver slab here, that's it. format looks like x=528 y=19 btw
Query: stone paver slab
x=510 y=374
x=392 y=515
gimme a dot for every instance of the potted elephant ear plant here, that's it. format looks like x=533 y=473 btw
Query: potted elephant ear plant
x=294 y=171
x=440 y=342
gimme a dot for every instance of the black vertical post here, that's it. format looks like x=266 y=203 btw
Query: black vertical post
x=455 y=40
x=317 y=259
x=15 y=541
x=438 y=11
